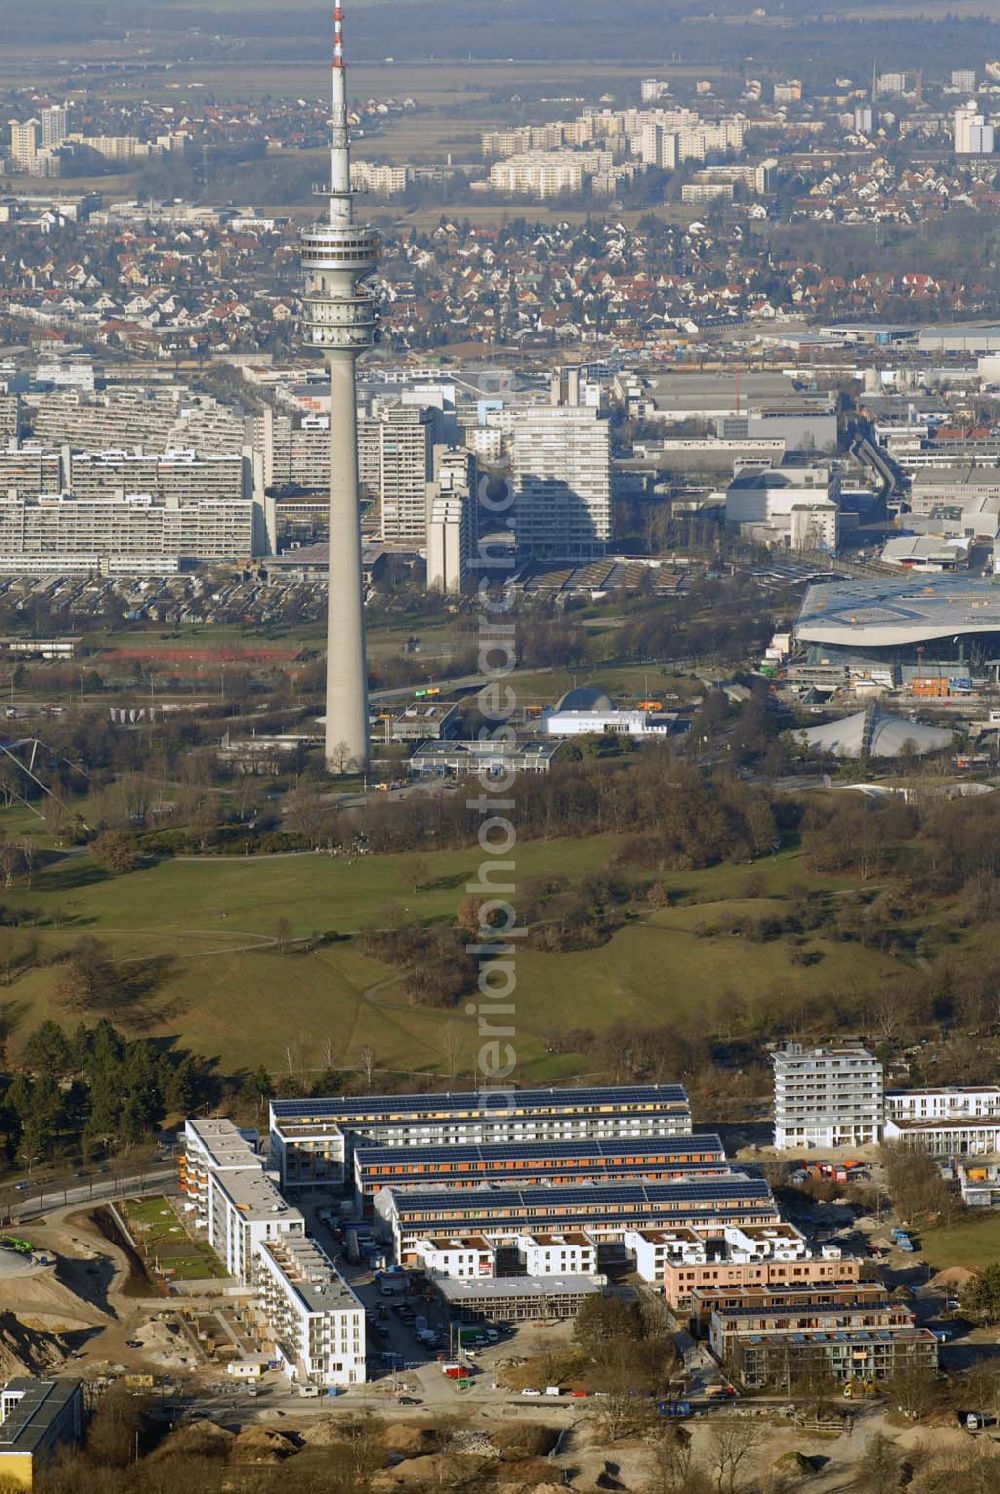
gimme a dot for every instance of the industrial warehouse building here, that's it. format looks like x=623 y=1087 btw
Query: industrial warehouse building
x=313 y=1140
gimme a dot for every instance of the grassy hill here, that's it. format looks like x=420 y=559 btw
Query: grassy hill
x=230 y=993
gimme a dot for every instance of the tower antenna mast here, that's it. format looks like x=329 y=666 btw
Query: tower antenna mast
x=339 y=315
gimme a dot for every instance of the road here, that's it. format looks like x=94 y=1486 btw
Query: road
x=93 y=1189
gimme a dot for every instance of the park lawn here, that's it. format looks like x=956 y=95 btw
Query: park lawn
x=316 y=893
x=973 y=1243
x=230 y=994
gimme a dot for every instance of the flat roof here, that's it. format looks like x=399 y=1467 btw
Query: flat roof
x=571 y=1237
x=29 y=1422
x=253 y=1193
x=592 y=1149
x=316 y=1280
x=480 y=1102
x=891 y=613
x=730 y=1314
x=489 y=1288
x=225 y=1144
x=789 y=1292
x=945 y=1089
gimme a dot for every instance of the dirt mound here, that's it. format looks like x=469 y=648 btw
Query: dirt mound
x=531 y=1474
x=951 y=1276
x=428 y=1471
x=198 y=1439
x=408 y=1441
x=261 y=1445
x=795 y=1462
x=323 y=1434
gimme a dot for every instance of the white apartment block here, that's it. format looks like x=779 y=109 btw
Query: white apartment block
x=54 y=124
x=449 y=544
x=826 y=1097
x=382 y=180
x=315 y=1320
x=465 y=1258
x=654 y=1249
x=394 y=462
x=707 y=192
x=539 y=174
x=573 y=1254
x=234 y=1200
x=951 y=1102
x=562 y=480
x=973 y=136
x=118 y=528
x=486 y=442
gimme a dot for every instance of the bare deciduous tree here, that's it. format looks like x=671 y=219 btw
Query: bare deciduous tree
x=732 y=1442
x=366 y=1058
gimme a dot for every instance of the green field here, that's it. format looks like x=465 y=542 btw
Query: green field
x=165 y=1244
x=230 y=994
x=972 y=1243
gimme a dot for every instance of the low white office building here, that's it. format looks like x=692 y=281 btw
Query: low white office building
x=572 y=1254
x=315 y=1320
x=654 y=1249
x=586 y=711
x=951 y=1121
x=792 y=506
x=460 y=1258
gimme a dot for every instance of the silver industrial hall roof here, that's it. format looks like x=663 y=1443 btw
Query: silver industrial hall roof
x=893 y=614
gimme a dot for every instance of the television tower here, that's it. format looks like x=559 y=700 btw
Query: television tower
x=340 y=319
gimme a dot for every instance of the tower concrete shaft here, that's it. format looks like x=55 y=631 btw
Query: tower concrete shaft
x=339 y=312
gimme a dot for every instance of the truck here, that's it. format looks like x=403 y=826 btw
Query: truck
x=674 y=1408
x=452 y=1369
x=419 y=1324
x=468 y=1335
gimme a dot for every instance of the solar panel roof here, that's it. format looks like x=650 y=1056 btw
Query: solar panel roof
x=598 y=1148
x=479 y=1100
x=735 y=1186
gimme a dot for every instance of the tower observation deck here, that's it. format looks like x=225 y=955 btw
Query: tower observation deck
x=340 y=317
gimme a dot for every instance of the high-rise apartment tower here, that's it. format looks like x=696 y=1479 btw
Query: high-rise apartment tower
x=337 y=256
